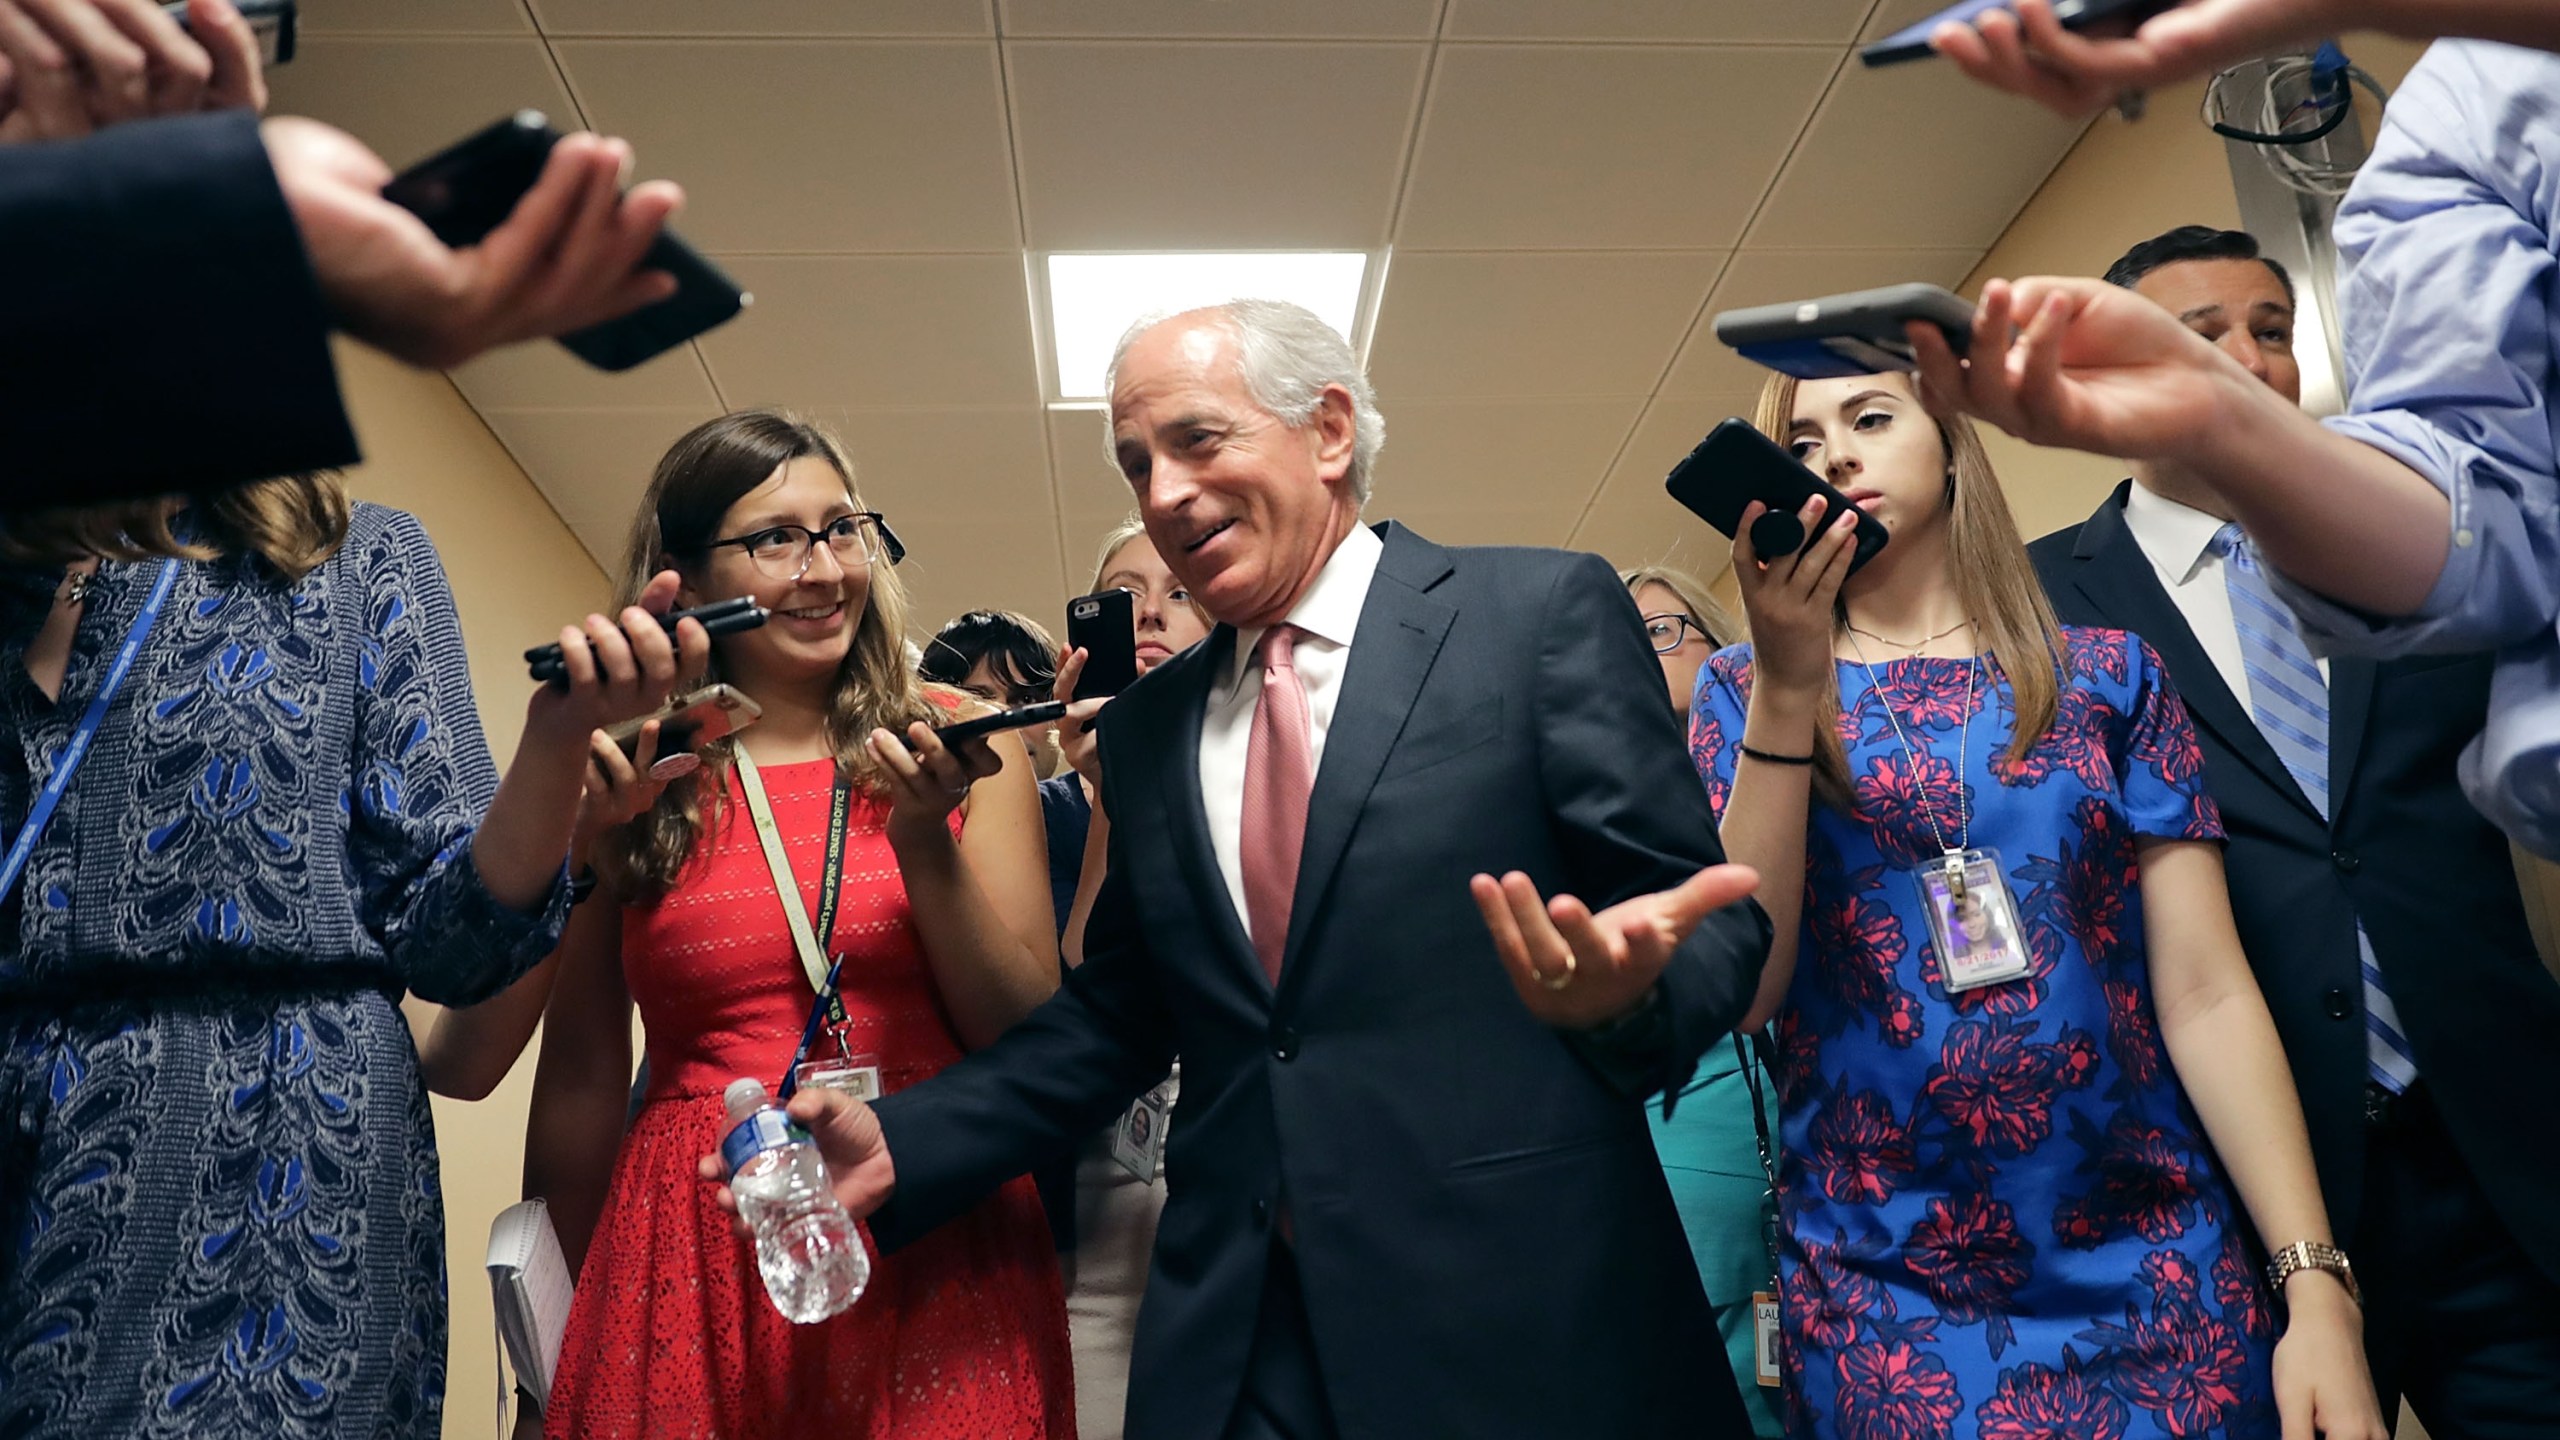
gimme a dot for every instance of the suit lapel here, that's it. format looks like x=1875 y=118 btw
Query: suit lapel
x=2351 y=681
x=1188 y=816
x=2118 y=579
x=1401 y=630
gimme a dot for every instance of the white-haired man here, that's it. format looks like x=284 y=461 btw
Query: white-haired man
x=1412 y=1191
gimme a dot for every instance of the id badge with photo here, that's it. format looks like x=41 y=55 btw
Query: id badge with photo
x=1137 y=1141
x=1764 y=1338
x=1973 y=920
x=856 y=1075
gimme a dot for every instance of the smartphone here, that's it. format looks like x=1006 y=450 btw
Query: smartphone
x=1859 y=333
x=1104 y=626
x=687 y=723
x=272 y=21
x=1912 y=42
x=1736 y=465
x=468 y=190
x=726 y=617
x=1047 y=712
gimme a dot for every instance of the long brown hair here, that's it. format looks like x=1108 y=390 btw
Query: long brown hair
x=1992 y=576
x=715 y=465
x=293 y=522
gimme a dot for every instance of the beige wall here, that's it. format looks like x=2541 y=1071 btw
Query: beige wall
x=517 y=574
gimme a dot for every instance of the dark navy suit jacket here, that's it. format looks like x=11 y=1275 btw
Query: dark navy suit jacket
x=1485 y=1239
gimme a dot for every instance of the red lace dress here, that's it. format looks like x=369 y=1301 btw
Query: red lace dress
x=962 y=1334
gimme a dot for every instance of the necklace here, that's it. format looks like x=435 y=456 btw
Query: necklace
x=1955 y=853
x=1913 y=645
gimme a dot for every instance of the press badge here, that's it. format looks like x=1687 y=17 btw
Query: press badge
x=1973 y=921
x=856 y=1075
x=1137 y=1142
x=1764 y=1337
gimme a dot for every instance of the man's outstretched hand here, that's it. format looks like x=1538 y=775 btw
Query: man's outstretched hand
x=849 y=1140
x=1576 y=970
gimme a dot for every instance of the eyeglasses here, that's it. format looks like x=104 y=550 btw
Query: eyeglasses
x=784 y=551
x=1670 y=632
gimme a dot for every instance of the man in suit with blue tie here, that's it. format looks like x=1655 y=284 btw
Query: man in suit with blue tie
x=2378 y=908
x=1411 y=1187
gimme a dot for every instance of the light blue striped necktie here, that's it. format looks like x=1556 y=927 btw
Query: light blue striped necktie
x=2289 y=699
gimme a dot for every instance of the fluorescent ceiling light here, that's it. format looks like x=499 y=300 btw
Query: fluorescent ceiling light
x=1093 y=299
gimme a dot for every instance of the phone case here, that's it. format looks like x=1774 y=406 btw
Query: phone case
x=1046 y=712
x=1736 y=465
x=1104 y=627
x=1858 y=333
x=1912 y=42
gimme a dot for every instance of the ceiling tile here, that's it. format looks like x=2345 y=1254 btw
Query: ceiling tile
x=593 y=465
x=877 y=331
x=909 y=464
x=763 y=17
x=1450 y=455
x=1633 y=522
x=1477 y=326
x=1277 y=19
x=1916 y=153
x=1092 y=496
x=1893 y=15
x=1603 y=147
x=409 y=98
x=813 y=146
x=542 y=376
x=414 y=17
x=956 y=564
x=1214 y=147
x=1831 y=21
x=1769 y=277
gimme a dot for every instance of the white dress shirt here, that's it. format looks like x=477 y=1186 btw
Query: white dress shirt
x=2178 y=541
x=1327 y=615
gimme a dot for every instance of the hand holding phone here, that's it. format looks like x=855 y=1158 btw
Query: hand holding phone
x=959 y=732
x=1859 y=333
x=1912 y=41
x=685 y=724
x=1736 y=466
x=726 y=617
x=1104 y=626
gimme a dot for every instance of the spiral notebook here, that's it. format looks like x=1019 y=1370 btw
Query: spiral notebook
x=530 y=1286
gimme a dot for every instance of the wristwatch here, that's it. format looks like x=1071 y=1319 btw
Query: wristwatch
x=2312 y=1255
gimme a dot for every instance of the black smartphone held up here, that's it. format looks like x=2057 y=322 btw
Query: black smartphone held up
x=272 y=21
x=1047 y=712
x=1859 y=333
x=1103 y=626
x=726 y=617
x=686 y=723
x=1912 y=42
x=468 y=190
x=1736 y=465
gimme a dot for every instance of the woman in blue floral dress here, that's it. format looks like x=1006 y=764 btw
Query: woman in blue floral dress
x=2003 y=1217
x=219 y=1207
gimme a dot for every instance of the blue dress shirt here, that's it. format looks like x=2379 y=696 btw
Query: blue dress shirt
x=2452 y=316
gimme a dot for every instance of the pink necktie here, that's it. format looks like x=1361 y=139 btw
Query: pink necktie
x=1279 y=773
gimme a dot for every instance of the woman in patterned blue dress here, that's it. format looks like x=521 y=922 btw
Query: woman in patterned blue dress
x=219 y=1208
x=2004 y=1218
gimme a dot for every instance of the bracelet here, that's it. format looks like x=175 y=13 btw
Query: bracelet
x=582 y=885
x=2312 y=1255
x=1765 y=758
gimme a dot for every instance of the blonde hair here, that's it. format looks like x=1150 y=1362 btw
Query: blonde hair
x=1691 y=592
x=293 y=522
x=1993 y=577
x=709 y=470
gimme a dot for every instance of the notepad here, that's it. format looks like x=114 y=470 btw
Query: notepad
x=530 y=1287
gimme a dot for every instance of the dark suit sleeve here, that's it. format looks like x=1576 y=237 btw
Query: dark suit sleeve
x=163 y=330
x=1052 y=1080
x=1632 y=818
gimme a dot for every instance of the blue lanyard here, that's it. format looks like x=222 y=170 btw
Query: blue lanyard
x=72 y=753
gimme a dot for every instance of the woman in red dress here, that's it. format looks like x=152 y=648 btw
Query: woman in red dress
x=943 y=922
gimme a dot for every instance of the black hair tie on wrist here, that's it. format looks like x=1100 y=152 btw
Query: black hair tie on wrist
x=1765 y=758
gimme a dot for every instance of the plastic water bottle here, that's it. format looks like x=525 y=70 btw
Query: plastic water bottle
x=806 y=1246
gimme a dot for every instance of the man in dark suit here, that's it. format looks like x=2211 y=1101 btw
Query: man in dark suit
x=1411 y=1188
x=174 y=280
x=2379 y=910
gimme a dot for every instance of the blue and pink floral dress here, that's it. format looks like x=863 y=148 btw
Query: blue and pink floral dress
x=2003 y=1221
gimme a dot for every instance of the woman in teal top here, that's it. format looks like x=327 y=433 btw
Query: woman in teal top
x=1707 y=1144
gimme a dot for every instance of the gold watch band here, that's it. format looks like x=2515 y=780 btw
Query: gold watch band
x=2312 y=1255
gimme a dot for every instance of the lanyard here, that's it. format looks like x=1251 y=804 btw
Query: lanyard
x=1953 y=855
x=1756 y=1082
x=823 y=974
x=24 y=846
